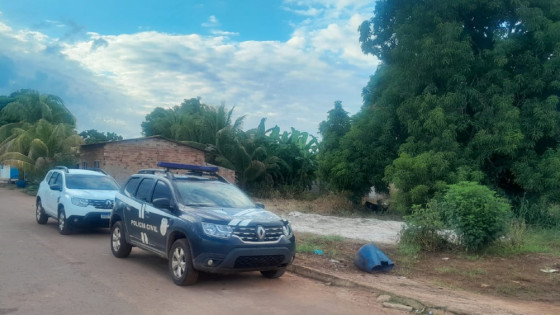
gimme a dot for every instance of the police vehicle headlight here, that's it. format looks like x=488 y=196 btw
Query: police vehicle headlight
x=80 y=202
x=287 y=229
x=217 y=230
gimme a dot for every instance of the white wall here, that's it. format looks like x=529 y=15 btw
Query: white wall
x=4 y=171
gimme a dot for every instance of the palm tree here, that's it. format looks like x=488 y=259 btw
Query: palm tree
x=34 y=147
x=191 y=121
x=258 y=156
x=247 y=154
x=31 y=106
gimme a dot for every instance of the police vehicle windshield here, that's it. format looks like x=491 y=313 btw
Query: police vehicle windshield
x=211 y=193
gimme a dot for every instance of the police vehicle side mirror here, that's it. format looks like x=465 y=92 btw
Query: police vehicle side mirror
x=163 y=203
x=56 y=187
x=259 y=205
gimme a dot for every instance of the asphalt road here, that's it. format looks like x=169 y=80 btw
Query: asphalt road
x=43 y=272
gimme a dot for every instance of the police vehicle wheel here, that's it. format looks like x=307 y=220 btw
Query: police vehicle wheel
x=63 y=224
x=119 y=246
x=272 y=274
x=40 y=214
x=180 y=263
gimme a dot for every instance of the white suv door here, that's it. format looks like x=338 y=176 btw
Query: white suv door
x=50 y=197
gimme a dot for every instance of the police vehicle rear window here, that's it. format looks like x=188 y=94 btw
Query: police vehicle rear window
x=131 y=186
x=145 y=189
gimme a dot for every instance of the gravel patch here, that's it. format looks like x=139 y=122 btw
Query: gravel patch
x=371 y=230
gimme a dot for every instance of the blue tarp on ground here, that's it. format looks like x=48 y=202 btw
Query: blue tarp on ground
x=372 y=259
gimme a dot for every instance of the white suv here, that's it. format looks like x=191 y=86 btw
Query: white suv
x=76 y=197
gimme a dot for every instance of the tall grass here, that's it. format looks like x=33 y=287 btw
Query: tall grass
x=527 y=240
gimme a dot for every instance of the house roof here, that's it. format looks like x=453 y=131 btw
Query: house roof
x=100 y=144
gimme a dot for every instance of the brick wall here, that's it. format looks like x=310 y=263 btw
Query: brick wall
x=124 y=158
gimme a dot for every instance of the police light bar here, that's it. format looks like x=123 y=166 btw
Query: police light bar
x=189 y=167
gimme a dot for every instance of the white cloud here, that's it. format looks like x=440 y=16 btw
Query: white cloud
x=4 y=29
x=110 y=82
x=55 y=23
x=307 y=12
x=223 y=33
x=211 y=22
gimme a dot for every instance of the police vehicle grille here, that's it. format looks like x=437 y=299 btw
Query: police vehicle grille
x=100 y=204
x=258 y=261
x=249 y=233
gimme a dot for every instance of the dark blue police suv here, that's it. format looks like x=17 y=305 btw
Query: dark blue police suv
x=199 y=222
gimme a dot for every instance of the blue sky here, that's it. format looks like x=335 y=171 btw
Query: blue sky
x=113 y=62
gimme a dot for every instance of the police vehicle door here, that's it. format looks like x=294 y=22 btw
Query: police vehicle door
x=136 y=221
x=127 y=204
x=158 y=219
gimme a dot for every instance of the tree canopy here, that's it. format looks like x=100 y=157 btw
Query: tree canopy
x=332 y=130
x=36 y=132
x=466 y=90
x=31 y=106
x=263 y=159
x=190 y=121
x=93 y=136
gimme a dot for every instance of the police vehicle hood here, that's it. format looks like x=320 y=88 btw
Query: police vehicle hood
x=255 y=215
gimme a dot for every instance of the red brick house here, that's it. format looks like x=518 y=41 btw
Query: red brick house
x=126 y=157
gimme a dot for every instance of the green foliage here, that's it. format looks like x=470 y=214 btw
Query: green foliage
x=516 y=234
x=369 y=146
x=538 y=212
x=525 y=240
x=267 y=159
x=332 y=130
x=93 y=136
x=31 y=106
x=36 y=132
x=190 y=121
x=419 y=177
x=469 y=214
x=34 y=148
x=475 y=213
x=263 y=159
x=424 y=229
x=466 y=90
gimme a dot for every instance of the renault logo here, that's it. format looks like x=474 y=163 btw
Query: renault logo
x=261 y=232
x=109 y=203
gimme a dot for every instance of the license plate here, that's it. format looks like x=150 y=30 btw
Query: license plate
x=105 y=216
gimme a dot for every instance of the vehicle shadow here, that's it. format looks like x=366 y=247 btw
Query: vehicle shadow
x=81 y=230
x=157 y=265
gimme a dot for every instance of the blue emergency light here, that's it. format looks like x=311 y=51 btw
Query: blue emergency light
x=189 y=167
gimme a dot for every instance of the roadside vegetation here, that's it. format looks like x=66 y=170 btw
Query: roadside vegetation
x=459 y=127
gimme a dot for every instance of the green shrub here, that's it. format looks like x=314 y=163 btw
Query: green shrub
x=476 y=214
x=424 y=228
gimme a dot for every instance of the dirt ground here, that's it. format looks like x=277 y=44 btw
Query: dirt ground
x=518 y=277
x=515 y=279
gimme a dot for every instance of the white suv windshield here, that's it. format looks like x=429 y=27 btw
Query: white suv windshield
x=92 y=182
x=211 y=193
